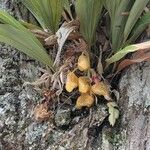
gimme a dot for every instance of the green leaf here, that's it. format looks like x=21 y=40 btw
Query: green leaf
x=134 y=15
x=113 y=113
x=88 y=12
x=47 y=12
x=8 y=19
x=131 y=48
x=116 y=8
x=125 y=24
x=24 y=42
x=16 y=35
x=139 y=27
x=119 y=22
x=112 y=7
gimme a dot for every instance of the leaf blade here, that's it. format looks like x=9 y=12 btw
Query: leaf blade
x=134 y=15
x=139 y=27
x=24 y=42
x=88 y=12
x=131 y=48
x=47 y=12
x=140 y=56
x=8 y=19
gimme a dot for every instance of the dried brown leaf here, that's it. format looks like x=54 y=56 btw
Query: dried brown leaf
x=62 y=35
x=40 y=32
x=51 y=40
x=142 y=55
x=81 y=46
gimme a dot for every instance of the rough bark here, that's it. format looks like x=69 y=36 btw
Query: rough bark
x=135 y=107
x=19 y=131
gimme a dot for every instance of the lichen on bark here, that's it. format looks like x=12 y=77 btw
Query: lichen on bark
x=19 y=131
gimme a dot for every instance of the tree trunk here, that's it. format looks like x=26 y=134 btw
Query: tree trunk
x=134 y=106
x=19 y=131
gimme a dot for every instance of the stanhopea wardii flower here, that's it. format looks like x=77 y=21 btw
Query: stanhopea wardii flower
x=84 y=84
x=71 y=82
x=101 y=89
x=85 y=100
x=83 y=62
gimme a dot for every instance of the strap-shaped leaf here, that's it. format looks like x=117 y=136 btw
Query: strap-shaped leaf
x=125 y=28
x=134 y=15
x=88 y=12
x=47 y=12
x=8 y=19
x=139 y=56
x=131 y=48
x=116 y=10
x=24 y=42
x=111 y=6
x=139 y=27
x=119 y=22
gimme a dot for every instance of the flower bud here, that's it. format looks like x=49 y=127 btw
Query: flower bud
x=83 y=62
x=84 y=100
x=71 y=82
x=84 y=84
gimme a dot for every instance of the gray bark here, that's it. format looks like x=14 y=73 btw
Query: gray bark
x=134 y=106
x=19 y=131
